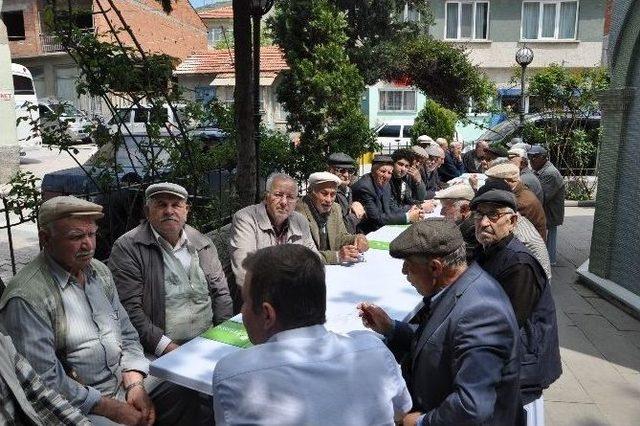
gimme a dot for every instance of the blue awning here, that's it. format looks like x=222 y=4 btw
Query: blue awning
x=510 y=91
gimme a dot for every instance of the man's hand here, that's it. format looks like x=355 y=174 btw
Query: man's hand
x=415 y=174
x=428 y=206
x=473 y=181
x=170 y=347
x=139 y=399
x=119 y=412
x=414 y=214
x=411 y=419
x=348 y=253
x=361 y=243
x=357 y=209
x=375 y=318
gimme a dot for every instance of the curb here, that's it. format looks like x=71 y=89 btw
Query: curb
x=580 y=203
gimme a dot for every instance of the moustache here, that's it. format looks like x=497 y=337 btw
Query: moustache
x=87 y=253
x=166 y=219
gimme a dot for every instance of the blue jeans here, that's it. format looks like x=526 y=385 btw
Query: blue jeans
x=552 y=236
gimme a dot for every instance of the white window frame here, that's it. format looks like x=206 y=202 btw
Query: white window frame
x=556 y=31
x=405 y=13
x=403 y=91
x=473 y=19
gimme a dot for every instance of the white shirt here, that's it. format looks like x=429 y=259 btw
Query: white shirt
x=311 y=376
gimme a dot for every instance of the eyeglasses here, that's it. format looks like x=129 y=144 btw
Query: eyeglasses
x=344 y=170
x=493 y=216
x=282 y=196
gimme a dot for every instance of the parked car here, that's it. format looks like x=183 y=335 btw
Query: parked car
x=54 y=112
x=136 y=118
x=394 y=135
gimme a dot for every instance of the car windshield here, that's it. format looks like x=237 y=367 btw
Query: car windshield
x=129 y=155
x=499 y=131
x=66 y=110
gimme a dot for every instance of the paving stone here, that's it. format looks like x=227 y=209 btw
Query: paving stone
x=571 y=414
x=620 y=319
x=568 y=300
x=567 y=388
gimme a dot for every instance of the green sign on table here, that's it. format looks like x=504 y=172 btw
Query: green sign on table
x=230 y=332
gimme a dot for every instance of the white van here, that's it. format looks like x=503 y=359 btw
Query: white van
x=394 y=135
x=26 y=106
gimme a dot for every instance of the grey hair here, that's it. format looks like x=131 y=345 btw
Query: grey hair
x=499 y=160
x=456 y=143
x=456 y=258
x=278 y=176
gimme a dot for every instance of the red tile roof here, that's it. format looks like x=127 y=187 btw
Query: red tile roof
x=224 y=12
x=221 y=61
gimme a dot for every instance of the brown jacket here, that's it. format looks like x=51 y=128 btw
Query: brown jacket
x=338 y=235
x=138 y=270
x=530 y=207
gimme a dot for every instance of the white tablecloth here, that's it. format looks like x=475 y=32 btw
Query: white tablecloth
x=377 y=279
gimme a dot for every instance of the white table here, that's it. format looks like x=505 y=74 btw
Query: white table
x=378 y=279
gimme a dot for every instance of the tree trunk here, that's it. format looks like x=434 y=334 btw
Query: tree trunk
x=246 y=166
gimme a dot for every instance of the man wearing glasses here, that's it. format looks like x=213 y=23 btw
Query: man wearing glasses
x=342 y=165
x=524 y=280
x=269 y=223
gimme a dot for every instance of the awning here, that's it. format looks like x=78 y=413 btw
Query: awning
x=230 y=80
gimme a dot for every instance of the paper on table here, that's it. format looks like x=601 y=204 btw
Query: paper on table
x=229 y=332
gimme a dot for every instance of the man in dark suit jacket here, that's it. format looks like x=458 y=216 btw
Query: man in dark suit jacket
x=463 y=356
x=374 y=192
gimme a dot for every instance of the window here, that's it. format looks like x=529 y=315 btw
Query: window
x=549 y=20
x=389 y=131
x=406 y=131
x=22 y=85
x=215 y=35
x=467 y=20
x=14 y=21
x=409 y=12
x=397 y=100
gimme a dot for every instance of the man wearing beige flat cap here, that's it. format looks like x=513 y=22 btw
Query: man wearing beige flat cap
x=528 y=204
x=455 y=207
x=80 y=340
x=324 y=215
x=518 y=156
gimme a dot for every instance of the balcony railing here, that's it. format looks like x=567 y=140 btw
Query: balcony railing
x=51 y=44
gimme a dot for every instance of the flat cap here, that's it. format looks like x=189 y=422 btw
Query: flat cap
x=537 y=150
x=166 y=188
x=434 y=151
x=67 y=206
x=461 y=191
x=419 y=151
x=340 y=159
x=497 y=149
x=495 y=196
x=503 y=171
x=425 y=140
x=435 y=236
x=514 y=141
x=517 y=152
x=323 y=177
x=382 y=159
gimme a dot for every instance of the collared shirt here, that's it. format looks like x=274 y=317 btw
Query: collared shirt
x=101 y=342
x=180 y=250
x=309 y=375
x=45 y=403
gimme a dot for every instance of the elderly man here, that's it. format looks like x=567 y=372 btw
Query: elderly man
x=168 y=274
x=25 y=399
x=472 y=160
x=429 y=169
x=269 y=223
x=332 y=240
x=455 y=207
x=374 y=192
x=342 y=165
x=528 y=204
x=518 y=156
x=452 y=166
x=553 y=187
x=297 y=372
x=506 y=259
x=443 y=143
x=407 y=188
x=63 y=313
x=464 y=353
x=424 y=141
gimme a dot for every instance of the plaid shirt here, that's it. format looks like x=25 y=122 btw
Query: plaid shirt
x=49 y=406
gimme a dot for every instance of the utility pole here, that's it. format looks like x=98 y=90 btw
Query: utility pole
x=9 y=148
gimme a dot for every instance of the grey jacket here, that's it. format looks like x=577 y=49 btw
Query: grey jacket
x=251 y=230
x=532 y=182
x=554 y=193
x=138 y=270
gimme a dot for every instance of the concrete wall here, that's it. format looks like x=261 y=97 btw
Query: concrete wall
x=9 y=149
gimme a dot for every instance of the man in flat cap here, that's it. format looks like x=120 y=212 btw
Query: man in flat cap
x=455 y=207
x=374 y=192
x=464 y=353
x=64 y=316
x=269 y=223
x=452 y=166
x=324 y=215
x=524 y=280
x=493 y=151
x=518 y=156
x=407 y=188
x=429 y=170
x=424 y=141
x=343 y=166
x=168 y=274
x=472 y=160
x=528 y=204
x=553 y=187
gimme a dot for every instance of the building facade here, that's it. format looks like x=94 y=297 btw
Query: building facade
x=55 y=74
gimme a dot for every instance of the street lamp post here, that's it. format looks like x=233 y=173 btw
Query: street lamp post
x=524 y=56
x=258 y=8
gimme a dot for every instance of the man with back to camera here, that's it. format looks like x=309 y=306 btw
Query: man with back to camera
x=298 y=372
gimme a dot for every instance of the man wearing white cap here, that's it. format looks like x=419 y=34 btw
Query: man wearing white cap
x=63 y=313
x=429 y=171
x=455 y=207
x=324 y=215
x=168 y=274
x=518 y=156
x=425 y=140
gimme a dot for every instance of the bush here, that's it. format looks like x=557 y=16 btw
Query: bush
x=434 y=120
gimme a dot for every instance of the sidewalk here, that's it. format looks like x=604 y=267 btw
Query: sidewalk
x=600 y=344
